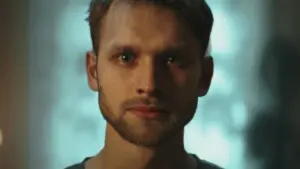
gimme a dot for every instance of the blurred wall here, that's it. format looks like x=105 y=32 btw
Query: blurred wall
x=42 y=84
x=274 y=135
x=14 y=84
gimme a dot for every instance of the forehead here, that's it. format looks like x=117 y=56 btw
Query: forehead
x=147 y=26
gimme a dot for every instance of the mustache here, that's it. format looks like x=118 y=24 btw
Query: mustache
x=135 y=102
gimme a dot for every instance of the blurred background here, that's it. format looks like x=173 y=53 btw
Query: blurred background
x=50 y=119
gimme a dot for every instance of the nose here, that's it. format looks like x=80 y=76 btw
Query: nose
x=147 y=79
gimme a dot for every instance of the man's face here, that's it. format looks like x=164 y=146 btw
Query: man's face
x=149 y=73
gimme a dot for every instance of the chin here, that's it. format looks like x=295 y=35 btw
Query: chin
x=146 y=140
x=148 y=133
x=148 y=136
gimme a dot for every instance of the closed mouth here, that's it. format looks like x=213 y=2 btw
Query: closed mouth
x=149 y=112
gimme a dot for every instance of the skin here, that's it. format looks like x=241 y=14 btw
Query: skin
x=146 y=56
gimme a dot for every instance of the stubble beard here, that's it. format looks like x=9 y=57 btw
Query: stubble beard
x=161 y=132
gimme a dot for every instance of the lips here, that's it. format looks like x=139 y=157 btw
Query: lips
x=148 y=112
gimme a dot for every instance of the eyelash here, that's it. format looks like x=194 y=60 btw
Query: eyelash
x=125 y=54
x=168 y=59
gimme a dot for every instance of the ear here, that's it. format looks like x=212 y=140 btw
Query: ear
x=206 y=76
x=91 y=69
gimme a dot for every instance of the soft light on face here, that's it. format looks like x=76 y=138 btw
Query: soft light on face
x=146 y=57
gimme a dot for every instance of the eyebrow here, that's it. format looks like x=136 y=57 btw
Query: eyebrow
x=120 y=47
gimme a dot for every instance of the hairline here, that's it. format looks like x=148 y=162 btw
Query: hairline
x=96 y=30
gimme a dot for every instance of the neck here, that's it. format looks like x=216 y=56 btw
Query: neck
x=118 y=153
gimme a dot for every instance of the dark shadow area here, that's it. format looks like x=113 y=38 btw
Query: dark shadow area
x=272 y=135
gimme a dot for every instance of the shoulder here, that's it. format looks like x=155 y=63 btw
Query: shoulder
x=76 y=166
x=79 y=165
x=203 y=164
x=208 y=165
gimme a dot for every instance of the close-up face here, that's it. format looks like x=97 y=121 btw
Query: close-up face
x=149 y=72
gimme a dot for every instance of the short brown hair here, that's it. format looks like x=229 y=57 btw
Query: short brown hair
x=196 y=13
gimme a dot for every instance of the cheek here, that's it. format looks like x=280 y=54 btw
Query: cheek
x=180 y=78
x=186 y=91
x=118 y=81
x=185 y=79
x=113 y=89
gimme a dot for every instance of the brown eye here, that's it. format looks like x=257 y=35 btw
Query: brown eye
x=171 y=59
x=176 y=61
x=127 y=57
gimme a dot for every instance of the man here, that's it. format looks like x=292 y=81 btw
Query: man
x=149 y=67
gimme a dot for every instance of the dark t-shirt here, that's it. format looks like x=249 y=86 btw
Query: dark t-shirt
x=201 y=164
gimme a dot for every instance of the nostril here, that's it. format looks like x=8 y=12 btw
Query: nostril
x=140 y=91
